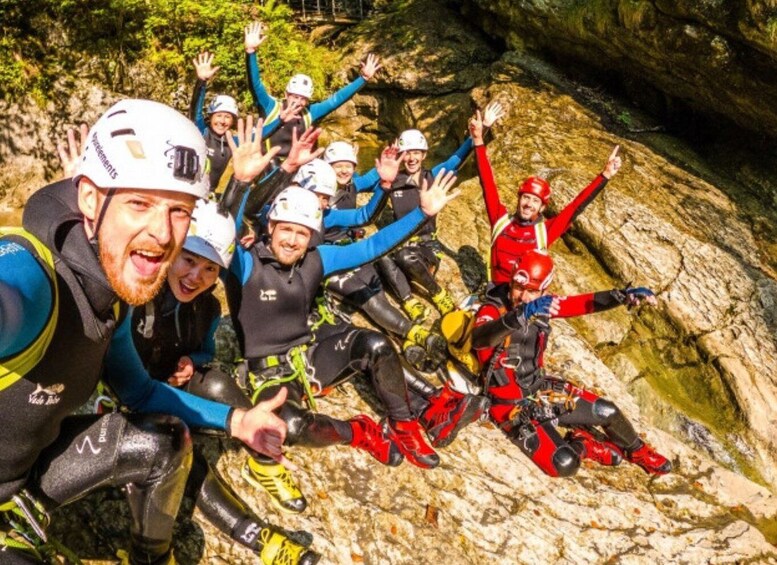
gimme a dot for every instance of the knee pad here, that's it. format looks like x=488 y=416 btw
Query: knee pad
x=372 y=345
x=165 y=438
x=605 y=410
x=297 y=421
x=408 y=258
x=566 y=461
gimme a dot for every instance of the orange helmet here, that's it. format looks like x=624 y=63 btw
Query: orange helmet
x=533 y=270
x=537 y=187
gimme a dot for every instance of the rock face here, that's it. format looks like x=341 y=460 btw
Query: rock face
x=718 y=56
x=696 y=375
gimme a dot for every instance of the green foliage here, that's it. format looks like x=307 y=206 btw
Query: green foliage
x=46 y=39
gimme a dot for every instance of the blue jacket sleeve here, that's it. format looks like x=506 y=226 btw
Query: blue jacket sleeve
x=354 y=217
x=337 y=258
x=125 y=375
x=262 y=100
x=207 y=349
x=321 y=109
x=195 y=109
x=241 y=266
x=26 y=296
x=455 y=160
x=366 y=182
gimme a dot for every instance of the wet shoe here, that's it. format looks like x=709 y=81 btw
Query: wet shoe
x=650 y=460
x=604 y=453
x=372 y=438
x=414 y=309
x=408 y=438
x=278 y=482
x=444 y=302
x=449 y=412
x=275 y=548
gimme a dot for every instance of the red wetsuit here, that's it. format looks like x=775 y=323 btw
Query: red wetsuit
x=511 y=237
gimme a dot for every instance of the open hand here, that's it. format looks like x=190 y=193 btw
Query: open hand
x=435 y=197
x=613 y=165
x=253 y=36
x=493 y=112
x=70 y=154
x=370 y=67
x=302 y=150
x=388 y=164
x=203 y=64
x=247 y=158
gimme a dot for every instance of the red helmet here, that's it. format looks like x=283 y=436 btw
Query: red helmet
x=533 y=270
x=536 y=186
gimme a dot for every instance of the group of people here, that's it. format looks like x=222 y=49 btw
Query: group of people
x=109 y=284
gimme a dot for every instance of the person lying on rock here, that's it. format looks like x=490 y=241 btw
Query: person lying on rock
x=509 y=338
x=527 y=228
x=299 y=91
x=418 y=260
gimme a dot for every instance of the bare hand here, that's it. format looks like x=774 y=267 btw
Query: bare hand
x=613 y=165
x=253 y=36
x=184 y=372
x=203 y=64
x=388 y=164
x=302 y=150
x=247 y=158
x=493 y=112
x=290 y=111
x=370 y=67
x=260 y=429
x=476 y=128
x=70 y=155
x=435 y=197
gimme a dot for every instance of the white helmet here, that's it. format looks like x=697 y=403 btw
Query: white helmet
x=223 y=103
x=297 y=206
x=146 y=145
x=340 y=151
x=318 y=176
x=301 y=85
x=211 y=234
x=412 y=139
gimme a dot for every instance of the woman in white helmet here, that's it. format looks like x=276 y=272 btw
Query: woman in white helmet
x=222 y=114
x=419 y=259
x=299 y=91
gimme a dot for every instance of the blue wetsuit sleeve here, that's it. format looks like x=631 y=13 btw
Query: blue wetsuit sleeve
x=455 y=160
x=321 y=109
x=207 y=349
x=262 y=99
x=125 y=375
x=195 y=109
x=337 y=258
x=26 y=296
x=241 y=265
x=354 y=217
x=366 y=182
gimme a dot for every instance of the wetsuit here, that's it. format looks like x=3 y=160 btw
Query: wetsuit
x=270 y=107
x=526 y=402
x=417 y=261
x=261 y=289
x=219 y=152
x=511 y=236
x=163 y=331
x=58 y=458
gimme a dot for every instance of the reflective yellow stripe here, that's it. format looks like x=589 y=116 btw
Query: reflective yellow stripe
x=13 y=369
x=541 y=236
x=498 y=228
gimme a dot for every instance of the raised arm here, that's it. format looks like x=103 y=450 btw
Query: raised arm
x=326 y=107
x=203 y=66
x=560 y=223
x=262 y=100
x=347 y=257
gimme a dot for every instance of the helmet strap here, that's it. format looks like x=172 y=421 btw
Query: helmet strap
x=101 y=215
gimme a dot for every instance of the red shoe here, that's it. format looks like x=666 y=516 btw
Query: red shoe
x=603 y=453
x=407 y=437
x=371 y=437
x=449 y=412
x=650 y=460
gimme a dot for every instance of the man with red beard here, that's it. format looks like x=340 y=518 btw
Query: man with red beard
x=90 y=246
